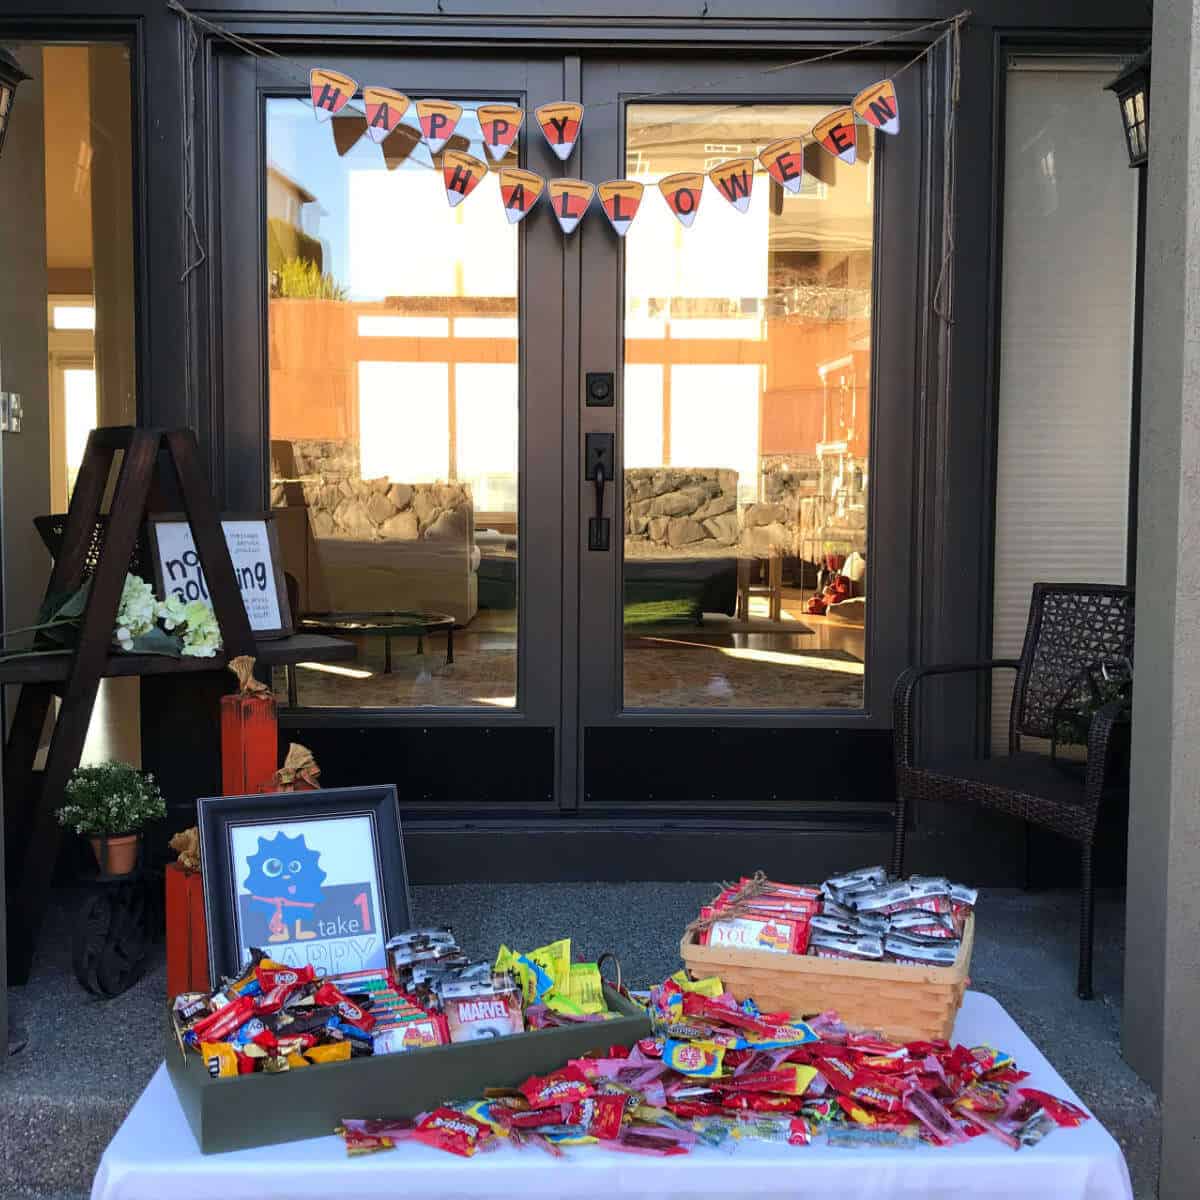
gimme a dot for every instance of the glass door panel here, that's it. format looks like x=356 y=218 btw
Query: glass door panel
x=760 y=577
x=747 y=351
x=395 y=422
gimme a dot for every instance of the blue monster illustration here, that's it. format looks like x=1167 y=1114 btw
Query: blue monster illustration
x=284 y=874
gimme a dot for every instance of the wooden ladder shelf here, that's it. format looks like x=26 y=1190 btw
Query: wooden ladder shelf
x=31 y=831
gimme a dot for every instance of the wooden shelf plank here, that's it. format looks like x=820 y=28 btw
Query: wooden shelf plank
x=303 y=647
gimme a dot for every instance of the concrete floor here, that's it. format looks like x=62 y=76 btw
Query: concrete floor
x=87 y=1060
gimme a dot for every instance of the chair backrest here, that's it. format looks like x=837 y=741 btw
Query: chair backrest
x=52 y=527
x=1072 y=626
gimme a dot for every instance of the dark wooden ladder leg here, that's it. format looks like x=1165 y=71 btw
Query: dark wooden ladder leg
x=28 y=901
x=1087 y=919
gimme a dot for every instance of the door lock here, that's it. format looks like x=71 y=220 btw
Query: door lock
x=598 y=468
x=598 y=389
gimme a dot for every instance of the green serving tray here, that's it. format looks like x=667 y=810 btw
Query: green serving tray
x=260 y=1110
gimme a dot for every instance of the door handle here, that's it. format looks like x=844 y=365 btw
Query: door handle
x=598 y=468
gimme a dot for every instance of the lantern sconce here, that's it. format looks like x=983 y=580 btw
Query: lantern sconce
x=1132 y=87
x=10 y=76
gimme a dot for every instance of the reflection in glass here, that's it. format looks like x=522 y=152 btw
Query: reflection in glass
x=746 y=421
x=394 y=402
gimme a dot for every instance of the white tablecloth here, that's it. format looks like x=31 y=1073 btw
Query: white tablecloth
x=154 y=1157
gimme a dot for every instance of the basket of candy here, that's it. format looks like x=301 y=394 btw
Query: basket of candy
x=397 y=1040
x=889 y=955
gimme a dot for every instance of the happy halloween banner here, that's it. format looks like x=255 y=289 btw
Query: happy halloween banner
x=570 y=199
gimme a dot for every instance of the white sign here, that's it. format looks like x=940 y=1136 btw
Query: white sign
x=308 y=892
x=250 y=548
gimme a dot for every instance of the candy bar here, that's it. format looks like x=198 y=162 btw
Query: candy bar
x=887 y=897
x=866 y=945
x=560 y=1087
x=874 y=876
x=778 y=935
x=599 y=1116
x=347 y=1010
x=446 y=1129
x=476 y=1010
x=1062 y=1112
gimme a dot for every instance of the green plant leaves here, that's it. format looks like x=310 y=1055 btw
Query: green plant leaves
x=156 y=641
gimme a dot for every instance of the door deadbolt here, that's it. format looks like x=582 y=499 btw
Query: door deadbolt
x=598 y=389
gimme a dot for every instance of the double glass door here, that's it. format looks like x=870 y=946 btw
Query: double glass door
x=436 y=379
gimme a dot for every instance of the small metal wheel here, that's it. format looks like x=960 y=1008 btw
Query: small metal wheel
x=111 y=938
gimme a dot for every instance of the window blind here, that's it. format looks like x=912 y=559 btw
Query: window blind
x=1066 y=345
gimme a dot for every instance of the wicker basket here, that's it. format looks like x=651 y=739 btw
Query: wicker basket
x=904 y=1003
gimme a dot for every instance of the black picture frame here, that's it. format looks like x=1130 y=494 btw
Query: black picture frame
x=219 y=816
x=286 y=626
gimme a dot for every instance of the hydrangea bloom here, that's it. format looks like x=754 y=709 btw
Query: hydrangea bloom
x=136 y=613
x=201 y=633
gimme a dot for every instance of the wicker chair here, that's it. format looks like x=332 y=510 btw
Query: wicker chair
x=1073 y=628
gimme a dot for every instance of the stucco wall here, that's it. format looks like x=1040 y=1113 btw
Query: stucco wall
x=1162 y=967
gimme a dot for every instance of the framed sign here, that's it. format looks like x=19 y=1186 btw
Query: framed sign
x=310 y=877
x=253 y=543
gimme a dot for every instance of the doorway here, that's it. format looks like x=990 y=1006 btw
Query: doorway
x=414 y=402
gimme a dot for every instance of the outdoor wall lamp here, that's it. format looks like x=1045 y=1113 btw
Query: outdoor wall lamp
x=1132 y=87
x=10 y=76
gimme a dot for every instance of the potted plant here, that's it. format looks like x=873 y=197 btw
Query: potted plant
x=109 y=804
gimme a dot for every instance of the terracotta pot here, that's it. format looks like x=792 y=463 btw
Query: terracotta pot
x=117 y=854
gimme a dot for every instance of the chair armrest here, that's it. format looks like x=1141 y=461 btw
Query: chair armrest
x=903 y=731
x=1104 y=721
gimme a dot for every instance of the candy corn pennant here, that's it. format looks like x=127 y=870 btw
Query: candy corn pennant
x=500 y=124
x=570 y=199
x=878 y=106
x=385 y=107
x=330 y=91
x=438 y=118
x=462 y=173
x=784 y=161
x=621 y=199
x=560 y=124
x=682 y=192
x=735 y=181
x=519 y=192
x=835 y=132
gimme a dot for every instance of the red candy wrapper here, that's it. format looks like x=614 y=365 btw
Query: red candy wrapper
x=559 y=1087
x=762 y=1103
x=1061 y=1112
x=445 y=1129
x=877 y=1091
x=217 y=1026
x=535 y=1118
x=273 y=977
x=347 y=1010
x=779 y=935
x=600 y=1116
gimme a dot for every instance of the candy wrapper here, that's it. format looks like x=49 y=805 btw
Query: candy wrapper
x=703 y=1081
x=452 y=1131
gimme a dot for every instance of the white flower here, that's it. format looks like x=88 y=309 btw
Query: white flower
x=171 y=612
x=136 y=611
x=201 y=634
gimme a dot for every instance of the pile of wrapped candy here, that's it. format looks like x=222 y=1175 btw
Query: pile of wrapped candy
x=861 y=915
x=719 y=1072
x=276 y=1017
x=473 y=1000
